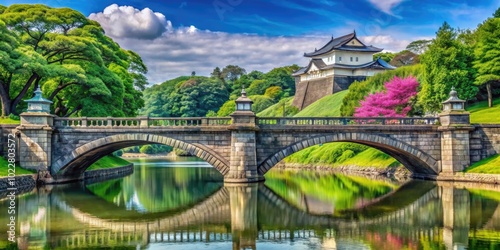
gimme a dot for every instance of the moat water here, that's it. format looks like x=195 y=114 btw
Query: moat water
x=184 y=204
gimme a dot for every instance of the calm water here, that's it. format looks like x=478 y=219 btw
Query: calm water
x=185 y=205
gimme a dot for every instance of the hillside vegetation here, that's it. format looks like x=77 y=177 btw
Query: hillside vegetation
x=328 y=106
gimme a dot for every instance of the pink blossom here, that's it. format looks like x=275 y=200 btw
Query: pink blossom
x=392 y=102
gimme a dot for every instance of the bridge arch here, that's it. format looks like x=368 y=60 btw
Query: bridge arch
x=414 y=159
x=74 y=164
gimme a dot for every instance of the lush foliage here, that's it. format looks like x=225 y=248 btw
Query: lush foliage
x=148 y=149
x=215 y=96
x=185 y=96
x=393 y=102
x=358 y=90
x=77 y=66
x=487 y=54
x=447 y=63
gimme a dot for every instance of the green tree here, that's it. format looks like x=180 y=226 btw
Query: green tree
x=227 y=108
x=487 y=53
x=447 y=63
x=81 y=69
x=196 y=96
x=386 y=56
x=260 y=102
x=232 y=72
x=418 y=46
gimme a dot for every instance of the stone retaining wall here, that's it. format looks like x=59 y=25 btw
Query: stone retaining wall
x=484 y=142
x=108 y=173
x=24 y=183
x=469 y=177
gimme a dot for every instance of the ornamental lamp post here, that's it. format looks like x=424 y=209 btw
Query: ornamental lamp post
x=38 y=112
x=453 y=103
x=454 y=111
x=38 y=103
x=243 y=103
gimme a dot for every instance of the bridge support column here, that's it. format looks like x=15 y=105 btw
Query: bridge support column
x=35 y=136
x=455 y=128
x=456 y=216
x=243 y=161
x=243 y=203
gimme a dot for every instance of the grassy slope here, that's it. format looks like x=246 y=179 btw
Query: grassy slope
x=4 y=168
x=327 y=106
x=490 y=165
x=109 y=161
x=326 y=155
x=480 y=113
x=276 y=110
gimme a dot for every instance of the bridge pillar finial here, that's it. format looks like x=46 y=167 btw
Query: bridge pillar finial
x=455 y=128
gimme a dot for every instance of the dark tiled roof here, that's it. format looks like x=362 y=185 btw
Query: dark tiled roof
x=339 y=43
x=318 y=62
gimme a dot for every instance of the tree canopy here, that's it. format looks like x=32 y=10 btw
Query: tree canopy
x=487 y=53
x=77 y=66
x=447 y=63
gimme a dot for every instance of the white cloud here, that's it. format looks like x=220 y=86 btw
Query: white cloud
x=385 y=5
x=127 y=21
x=387 y=42
x=179 y=51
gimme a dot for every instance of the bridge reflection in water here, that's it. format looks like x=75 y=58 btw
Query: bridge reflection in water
x=245 y=216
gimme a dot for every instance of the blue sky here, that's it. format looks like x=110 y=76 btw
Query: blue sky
x=185 y=35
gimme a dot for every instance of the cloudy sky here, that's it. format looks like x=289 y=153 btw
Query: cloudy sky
x=176 y=37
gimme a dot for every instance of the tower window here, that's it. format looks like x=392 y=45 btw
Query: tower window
x=356 y=59
x=340 y=59
x=351 y=58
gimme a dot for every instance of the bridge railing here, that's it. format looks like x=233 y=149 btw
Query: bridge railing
x=139 y=122
x=345 y=121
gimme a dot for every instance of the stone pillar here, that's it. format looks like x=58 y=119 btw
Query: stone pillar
x=243 y=161
x=35 y=140
x=455 y=128
x=243 y=203
x=456 y=216
x=35 y=136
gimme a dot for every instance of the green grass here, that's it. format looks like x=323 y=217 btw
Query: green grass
x=276 y=110
x=9 y=121
x=343 y=154
x=4 y=168
x=480 y=113
x=328 y=106
x=109 y=161
x=490 y=165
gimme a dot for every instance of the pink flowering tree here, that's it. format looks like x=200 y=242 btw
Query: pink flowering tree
x=393 y=102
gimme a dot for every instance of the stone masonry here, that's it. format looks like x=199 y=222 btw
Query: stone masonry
x=244 y=147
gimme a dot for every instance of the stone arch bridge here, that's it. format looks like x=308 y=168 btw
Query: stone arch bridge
x=244 y=147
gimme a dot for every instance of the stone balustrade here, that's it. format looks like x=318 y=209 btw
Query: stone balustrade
x=327 y=121
x=139 y=122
